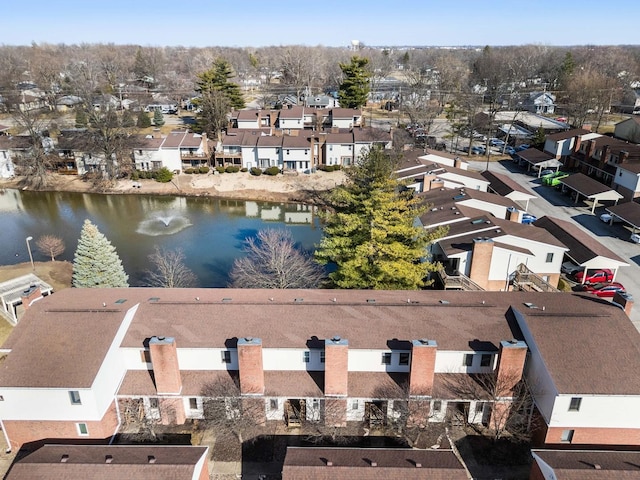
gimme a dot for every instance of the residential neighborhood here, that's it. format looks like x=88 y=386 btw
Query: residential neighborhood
x=347 y=260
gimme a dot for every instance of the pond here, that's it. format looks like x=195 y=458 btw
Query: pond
x=210 y=232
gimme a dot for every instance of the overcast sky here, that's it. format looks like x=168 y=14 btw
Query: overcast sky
x=257 y=23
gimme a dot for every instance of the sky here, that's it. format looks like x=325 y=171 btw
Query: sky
x=258 y=23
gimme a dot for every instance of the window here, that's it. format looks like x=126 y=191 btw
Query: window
x=193 y=403
x=549 y=257
x=437 y=405
x=485 y=360
x=226 y=356
x=479 y=407
x=145 y=356
x=574 y=405
x=567 y=436
x=468 y=360
x=354 y=405
x=153 y=403
x=404 y=359
x=386 y=358
x=305 y=357
x=74 y=396
x=288 y=151
x=273 y=404
x=322 y=356
x=82 y=429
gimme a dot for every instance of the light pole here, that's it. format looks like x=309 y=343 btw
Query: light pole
x=28 y=239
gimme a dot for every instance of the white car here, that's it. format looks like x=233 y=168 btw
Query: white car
x=635 y=237
x=606 y=218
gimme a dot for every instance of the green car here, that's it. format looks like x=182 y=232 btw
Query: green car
x=553 y=179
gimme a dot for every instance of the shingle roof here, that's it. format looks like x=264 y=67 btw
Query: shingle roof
x=127 y=462
x=371 y=463
x=502 y=184
x=345 y=112
x=575 y=132
x=19 y=142
x=591 y=465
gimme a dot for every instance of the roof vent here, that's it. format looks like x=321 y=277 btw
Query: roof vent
x=161 y=338
x=329 y=463
x=371 y=300
x=334 y=299
x=271 y=299
x=248 y=339
x=373 y=464
x=104 y=304
x=530 y=305
x=335 y=339
x=424 y=341
x=151 y=459
x=418 y=465
x=197 y=299
x=597 y=467
x=108 y=458
x=64 y=458
x=299 y=300
x=226 y=300
x=445 y=302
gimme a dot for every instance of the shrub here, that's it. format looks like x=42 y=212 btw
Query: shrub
x=255 y=171
x=329 y=168
x=203 y=169
x=189 y=170
x=272 y=171
x=163 y=175
x=135 y=175
x=244 y=169
x=232 y=169
x=220 y=169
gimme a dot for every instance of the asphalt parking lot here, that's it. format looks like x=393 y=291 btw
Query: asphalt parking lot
x=553 y=203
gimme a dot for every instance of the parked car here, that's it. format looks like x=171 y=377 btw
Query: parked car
x=553 y=180
x=528 y=219
x=570 y=268
x=604 y=289
x=478 y=150
x=522 y=147
x=509 y=150
x=606 y=218
x=595 y=276
x=496 y=142
x=635 y=238
x=546 y=172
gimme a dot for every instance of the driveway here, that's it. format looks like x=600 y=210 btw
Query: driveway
x=555 y=204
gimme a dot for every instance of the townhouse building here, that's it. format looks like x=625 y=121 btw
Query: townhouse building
x=77 y=358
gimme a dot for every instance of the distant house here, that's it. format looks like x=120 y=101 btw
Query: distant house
x=628 y=130
x=540 y=102
x=321 y=101
x=11 y=149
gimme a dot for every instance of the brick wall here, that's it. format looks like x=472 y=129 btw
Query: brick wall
x=594 y=436
x=171 y=410
x=423 y=361
x=22 y=432
x=481 y=261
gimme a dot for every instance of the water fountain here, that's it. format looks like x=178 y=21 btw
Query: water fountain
x=163 y=224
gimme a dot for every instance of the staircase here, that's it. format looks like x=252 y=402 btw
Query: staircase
x=525 y=280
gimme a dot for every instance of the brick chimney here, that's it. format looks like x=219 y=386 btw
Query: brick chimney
x=625 y=301
x=423 y=361
x=603 y=156
x=336 y=372
x=511 y=358
x=591 y=148
x=164 y=360
x=576 y=143
x=427 y=181
x=481 y=260
x=250 y=366
x=513 y=215
x=30 y=295
x=623 y=157
x=457 y=162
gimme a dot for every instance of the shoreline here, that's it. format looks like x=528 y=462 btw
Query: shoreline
x=301 y=188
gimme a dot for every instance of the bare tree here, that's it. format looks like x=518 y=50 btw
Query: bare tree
x=227 y=411
x=34 y=163
x=50 y=245
x=273 y=261
x=214 y=116
x=169 y=270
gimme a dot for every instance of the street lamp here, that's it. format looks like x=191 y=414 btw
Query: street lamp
x=28 y=239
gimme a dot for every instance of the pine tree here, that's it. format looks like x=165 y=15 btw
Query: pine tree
x=158 y=119
x=370 y=233
x=143 y=120
x=96 y=263
x=354 y=89
x=218 y=78
x=81 y=118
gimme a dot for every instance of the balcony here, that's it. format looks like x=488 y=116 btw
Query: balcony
x=194 y=155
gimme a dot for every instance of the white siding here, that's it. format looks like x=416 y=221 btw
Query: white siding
x=597 y=411
x=627 y=179
x=291 y=359
x=362 y=360
x=453 y=362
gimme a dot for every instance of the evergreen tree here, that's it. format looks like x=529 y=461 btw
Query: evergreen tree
x=158 y=118
x=81 y=118
x=370 y=233
x=127 y=119
x=355 y=87
x=96 y=263
x=143 y=120
x=539 y=138
x=218 y=78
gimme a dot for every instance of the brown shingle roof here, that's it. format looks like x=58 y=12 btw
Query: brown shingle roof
x=370 y=134
x=297 y=141
x=174 y=139
x=582 y=247
x=535 y=156
x=19 y=142
x=585 y=185
x=291 y=113
x=345 y=112
x=502 y=184
x=581 y=464
x=358 y=463
x=269 y=141
x=576 y=132
x=127 y=462
x=248 y=115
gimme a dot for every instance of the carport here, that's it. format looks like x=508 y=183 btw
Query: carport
x=508 y=188
x=537 y=159
x=628 y=212
x=584 y=250
x=590 y=189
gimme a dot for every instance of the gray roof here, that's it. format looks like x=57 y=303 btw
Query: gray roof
x=591 y=464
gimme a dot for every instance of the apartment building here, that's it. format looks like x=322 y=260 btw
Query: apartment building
x=78 y=357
